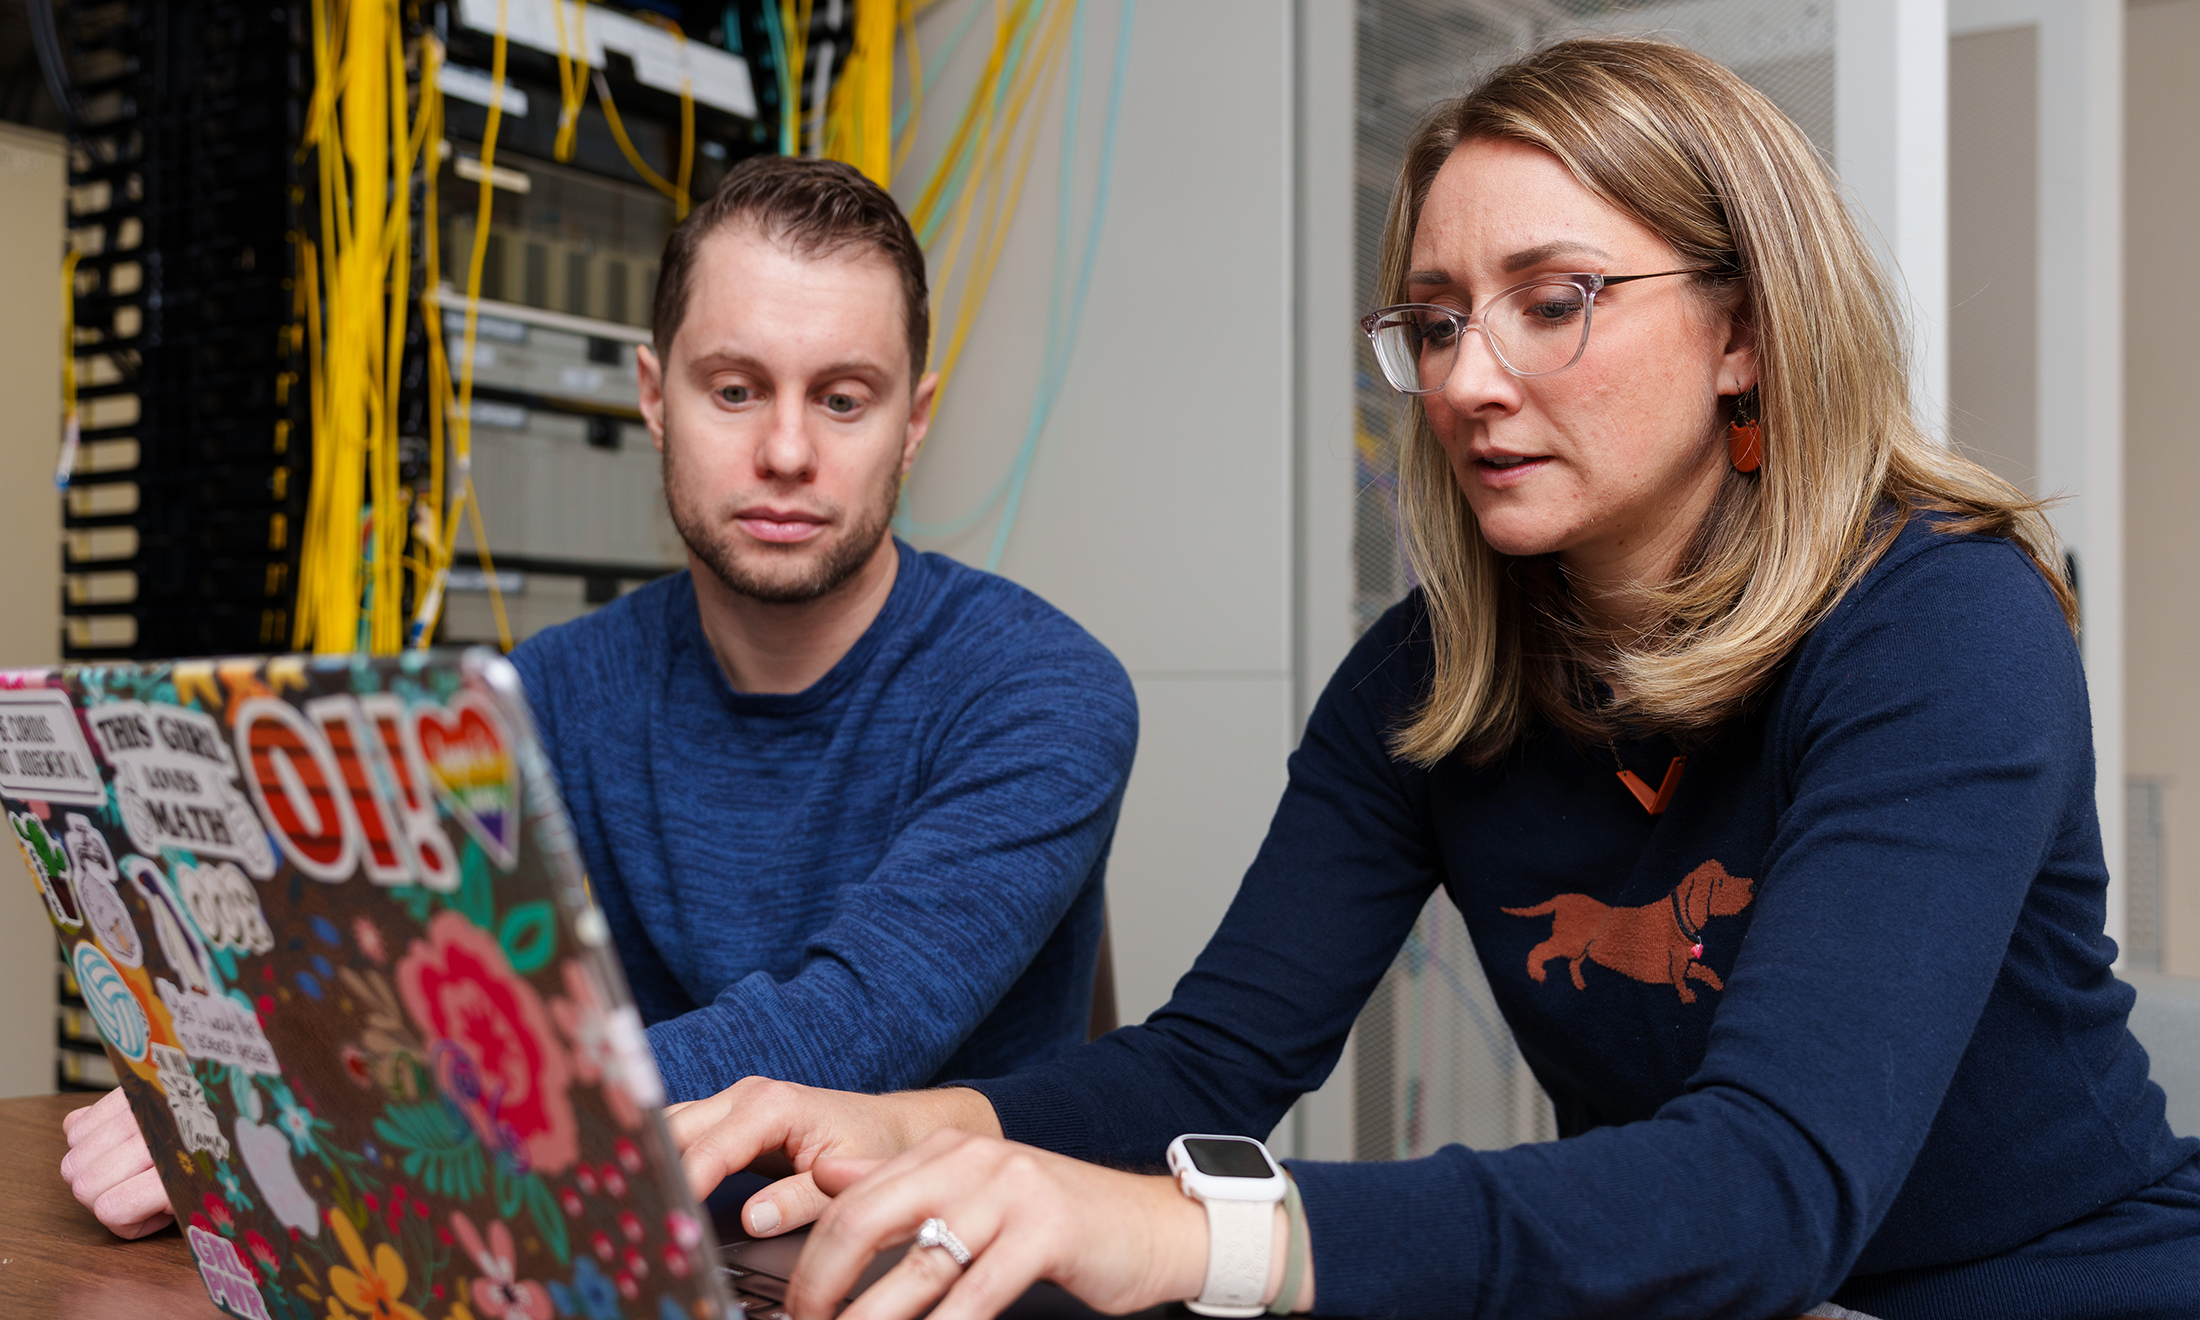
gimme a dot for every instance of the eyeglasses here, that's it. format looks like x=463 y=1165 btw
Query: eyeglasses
x=1536 y=329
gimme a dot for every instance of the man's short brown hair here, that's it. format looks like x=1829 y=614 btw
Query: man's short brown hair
x=817 y=208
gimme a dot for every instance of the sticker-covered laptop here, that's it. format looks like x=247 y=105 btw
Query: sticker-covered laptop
x=330 y=919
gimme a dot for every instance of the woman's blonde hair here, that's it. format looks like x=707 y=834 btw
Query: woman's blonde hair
x=1710 y=165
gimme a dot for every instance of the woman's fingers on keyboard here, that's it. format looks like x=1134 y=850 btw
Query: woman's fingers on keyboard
x=787 y=1204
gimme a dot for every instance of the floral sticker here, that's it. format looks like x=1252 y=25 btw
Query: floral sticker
x=590 y=1294
x=500 y=1291
x=496 y=1056
x=374 y=1286
x=602 y=1046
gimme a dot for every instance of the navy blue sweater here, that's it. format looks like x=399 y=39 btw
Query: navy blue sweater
x=1839 y=1023
x=891 y=876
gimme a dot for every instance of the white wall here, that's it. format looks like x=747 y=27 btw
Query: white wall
x=1189 y=503
x=2162 y=490
x=2079 y=387
x=31 y=179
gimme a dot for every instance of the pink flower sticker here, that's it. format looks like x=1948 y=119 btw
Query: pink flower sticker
x=494 y=1052
x=500 y=1292
x=609 y=1047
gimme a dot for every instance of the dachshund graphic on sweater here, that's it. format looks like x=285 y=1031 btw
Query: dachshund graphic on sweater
x=1657 y=942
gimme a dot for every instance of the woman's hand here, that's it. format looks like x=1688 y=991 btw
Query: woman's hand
x=783 y=1129
x=110 y=1170
x=1119 y=1241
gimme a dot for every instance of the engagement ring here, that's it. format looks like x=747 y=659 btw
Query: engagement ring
x=935 y=1233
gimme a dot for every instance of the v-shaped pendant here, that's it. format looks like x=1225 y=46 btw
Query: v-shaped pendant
x=1655 y=803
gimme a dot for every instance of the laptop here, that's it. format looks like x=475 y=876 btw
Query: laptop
x=329 y=917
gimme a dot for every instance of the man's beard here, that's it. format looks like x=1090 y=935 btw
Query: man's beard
x=820 y=576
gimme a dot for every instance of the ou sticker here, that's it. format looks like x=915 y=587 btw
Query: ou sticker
x=108 y=998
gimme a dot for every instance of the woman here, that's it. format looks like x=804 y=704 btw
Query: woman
x=1744 y=725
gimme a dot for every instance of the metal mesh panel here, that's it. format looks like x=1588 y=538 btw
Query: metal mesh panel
x=1434 y=1062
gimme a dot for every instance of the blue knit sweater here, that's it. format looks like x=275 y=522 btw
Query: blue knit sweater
x=1839 y=1023
x=891 y=876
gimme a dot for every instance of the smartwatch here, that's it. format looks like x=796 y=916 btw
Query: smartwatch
x=1239 y=1184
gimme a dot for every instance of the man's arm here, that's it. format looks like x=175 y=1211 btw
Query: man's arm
x=110 y=1170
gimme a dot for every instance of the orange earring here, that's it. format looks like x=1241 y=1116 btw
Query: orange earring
x=1745 y=437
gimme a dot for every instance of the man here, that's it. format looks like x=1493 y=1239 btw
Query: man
x=846 y=807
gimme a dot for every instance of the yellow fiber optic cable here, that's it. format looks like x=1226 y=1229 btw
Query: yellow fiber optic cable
x=427 y=519
x=488 y=568
x=355 y=153
x=687 y=143
x=572 y=77
x=387 y=619
x=686 y=171
x=977 y=122
x=859 y=118
x=633 y=157
x=989 y=153
x=916 y=85
x=985 y=178
x=65 y=467
x=794 y=19
x=457 y=480
x=991 y=240
x=976 y=113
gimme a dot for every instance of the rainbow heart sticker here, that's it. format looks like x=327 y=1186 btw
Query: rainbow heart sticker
x=469 y=759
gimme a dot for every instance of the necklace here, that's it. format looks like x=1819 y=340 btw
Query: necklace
x=1654 y=802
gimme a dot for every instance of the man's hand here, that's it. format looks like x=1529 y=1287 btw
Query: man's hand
x=1119 y=1241
x=782 y=1129
x=110 y=1170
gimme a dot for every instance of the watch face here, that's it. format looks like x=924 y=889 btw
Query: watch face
x=1223 y=1157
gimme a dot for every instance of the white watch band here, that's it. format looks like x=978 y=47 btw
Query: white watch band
x=1239 y=1235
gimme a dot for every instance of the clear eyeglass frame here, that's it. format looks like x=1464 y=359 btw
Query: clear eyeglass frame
x=1416 y=319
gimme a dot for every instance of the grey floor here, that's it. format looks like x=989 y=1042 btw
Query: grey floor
x=2167 y=1021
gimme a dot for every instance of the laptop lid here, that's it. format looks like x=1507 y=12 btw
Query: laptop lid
x=329 y=916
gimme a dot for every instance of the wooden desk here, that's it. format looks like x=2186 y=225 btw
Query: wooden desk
x=55 y=1259
x=58 y=1261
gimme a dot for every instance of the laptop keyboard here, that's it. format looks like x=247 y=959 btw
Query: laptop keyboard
x=760 y=1296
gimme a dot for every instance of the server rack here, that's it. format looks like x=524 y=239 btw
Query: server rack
x=190 y=194
x=567 y=480
x=180 y=513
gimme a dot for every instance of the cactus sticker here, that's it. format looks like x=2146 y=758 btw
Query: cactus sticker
x=49 y=864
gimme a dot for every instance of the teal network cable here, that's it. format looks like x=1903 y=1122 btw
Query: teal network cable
x=1061 y=333
x=789 y=94
x=939 y=62
x=1042 y=406
x=1011 y=65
